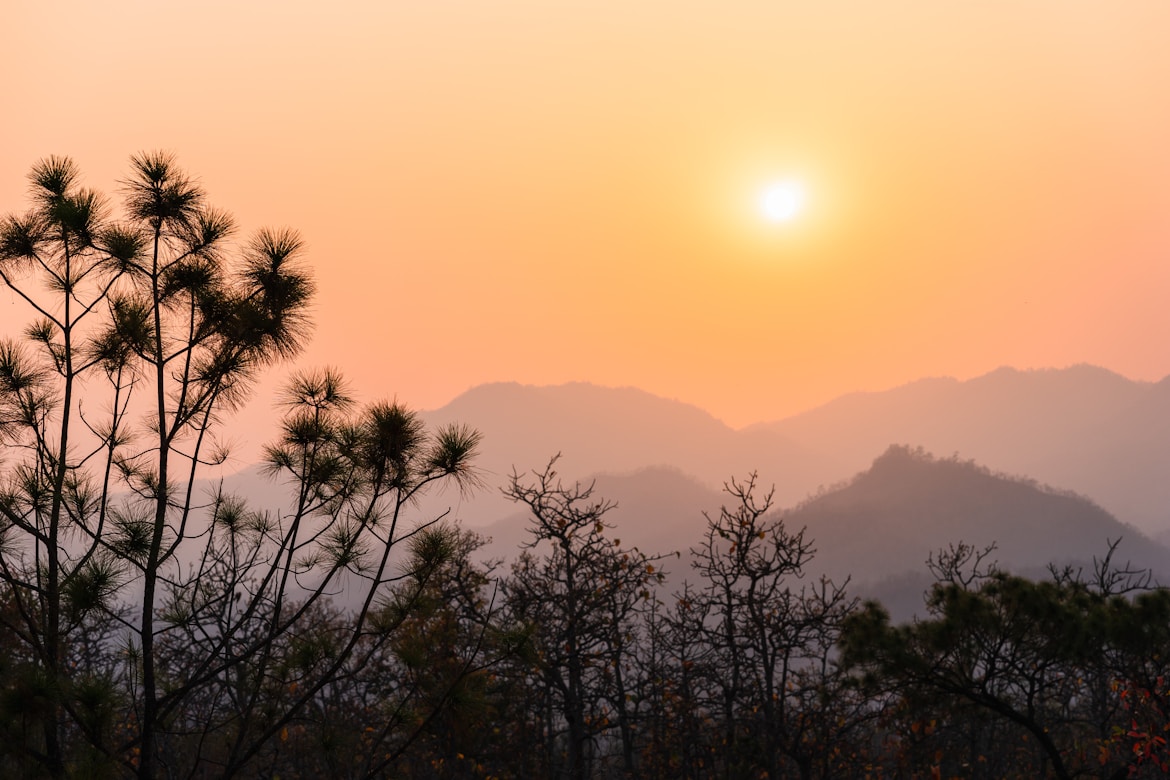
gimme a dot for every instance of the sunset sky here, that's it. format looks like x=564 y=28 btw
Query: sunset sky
x=554 y=191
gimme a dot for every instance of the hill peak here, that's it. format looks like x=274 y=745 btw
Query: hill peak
x=579 y=396
x=910 y=503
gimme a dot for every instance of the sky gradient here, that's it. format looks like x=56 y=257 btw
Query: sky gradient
x=548 y=192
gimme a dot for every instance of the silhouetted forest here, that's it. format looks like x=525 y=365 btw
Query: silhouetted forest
x=155 y=629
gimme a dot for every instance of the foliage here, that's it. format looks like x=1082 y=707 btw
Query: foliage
x=150 y=628
x=1034 y=665
x=580 y=602
x=779 y=700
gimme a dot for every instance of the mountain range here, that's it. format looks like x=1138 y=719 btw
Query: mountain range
x=1048 y=464
x=1083 y=429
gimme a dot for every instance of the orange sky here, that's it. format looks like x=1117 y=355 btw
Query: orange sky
x=553 y=191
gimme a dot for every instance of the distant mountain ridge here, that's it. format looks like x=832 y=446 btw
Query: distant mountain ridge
x=600 y=430
x=1082 y=428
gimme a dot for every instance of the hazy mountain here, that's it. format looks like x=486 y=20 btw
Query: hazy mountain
x=1081 y=428
x=880 y=527
x=888 y=519
x=620 y=430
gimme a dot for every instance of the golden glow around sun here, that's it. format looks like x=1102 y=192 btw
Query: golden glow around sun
x=782 y=201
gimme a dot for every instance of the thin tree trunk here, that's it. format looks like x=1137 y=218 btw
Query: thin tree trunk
x=146 y=766
x=53 y=652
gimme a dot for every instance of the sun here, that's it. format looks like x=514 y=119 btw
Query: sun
x=782 y=201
